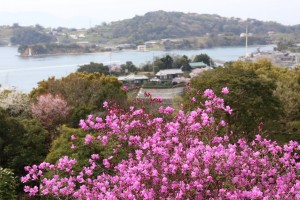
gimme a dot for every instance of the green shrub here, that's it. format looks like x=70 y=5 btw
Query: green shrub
x=8 y=184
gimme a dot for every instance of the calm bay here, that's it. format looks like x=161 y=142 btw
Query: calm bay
x=25 y=72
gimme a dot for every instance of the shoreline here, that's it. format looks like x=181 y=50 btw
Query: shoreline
x=131 y=50
x=25 y=72
x=63 y=54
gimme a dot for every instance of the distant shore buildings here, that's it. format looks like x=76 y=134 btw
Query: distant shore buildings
x=283 y=59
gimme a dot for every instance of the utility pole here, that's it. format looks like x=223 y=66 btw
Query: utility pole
x=110 y=63
x=153 y=62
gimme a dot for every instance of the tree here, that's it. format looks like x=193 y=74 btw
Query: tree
x=164 y=62
x=203 y=58
x=159 y=64
x=29 y=36
x=168 y=62
x=252 y=98
x=16 y=103
x=148 y=67
x=16 y=25
x=39 y=27
x=51 y=110
x=128 y=67
x=22 y=142
x=22 y=48
x=182 y=62
x=287 y=91
x=94 y=67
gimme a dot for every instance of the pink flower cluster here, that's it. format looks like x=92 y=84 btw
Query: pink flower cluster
x=176 y=155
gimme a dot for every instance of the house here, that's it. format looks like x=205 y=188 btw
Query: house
x=74 y=37
x=125 y=46
x=141 y=48
x=155 y=79
x=169 y=74
x=195 y=65
x=242 y=35
x=284 y=59
x=150 y=44
x=133 y=79
x=81 y=35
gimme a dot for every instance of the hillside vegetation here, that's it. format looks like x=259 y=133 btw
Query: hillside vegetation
x=161 y=24
x=170 y=30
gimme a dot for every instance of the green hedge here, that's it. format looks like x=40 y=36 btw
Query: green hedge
x=153 y=85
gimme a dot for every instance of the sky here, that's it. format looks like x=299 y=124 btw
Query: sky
x=87 y=13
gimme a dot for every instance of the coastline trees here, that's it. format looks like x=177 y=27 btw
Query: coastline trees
x=165 y=62
x=94 y=67
x=202 y=58
x=28 y=36
x=128 y=67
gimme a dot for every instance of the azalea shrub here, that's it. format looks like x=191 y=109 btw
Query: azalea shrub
x=170 y=155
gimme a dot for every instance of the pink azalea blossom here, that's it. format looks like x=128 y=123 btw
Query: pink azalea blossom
x=73 y=137
x=125 y=88
x=105 y=104
x=186 y=155
x=225 y=90
x=88 y=139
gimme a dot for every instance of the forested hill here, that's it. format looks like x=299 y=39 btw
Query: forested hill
x=192 y=31
x=161 y=24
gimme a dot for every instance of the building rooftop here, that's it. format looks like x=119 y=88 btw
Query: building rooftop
x=165 y=72
x=197 y=65
x=132 y=77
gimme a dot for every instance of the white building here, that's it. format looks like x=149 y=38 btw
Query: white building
x=141 y=48
x=133 y=79
x=81 y=35
x=169 y=74
x=74 y=37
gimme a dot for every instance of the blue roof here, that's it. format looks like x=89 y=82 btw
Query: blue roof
x=198 y=65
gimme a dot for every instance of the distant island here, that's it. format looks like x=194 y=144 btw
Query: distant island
x=157 y=30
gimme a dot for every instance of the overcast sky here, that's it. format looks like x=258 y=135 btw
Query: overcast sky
x=96 y=11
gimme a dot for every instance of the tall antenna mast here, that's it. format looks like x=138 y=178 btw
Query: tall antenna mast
x=246 y=39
